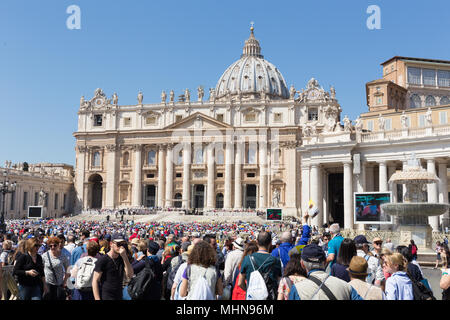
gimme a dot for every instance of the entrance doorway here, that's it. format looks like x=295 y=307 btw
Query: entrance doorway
x=219 y=201
x=250 y=196
x=199 y=196
x=97 y=191
x=177 y=202
x=336 y=197
x=150 y=196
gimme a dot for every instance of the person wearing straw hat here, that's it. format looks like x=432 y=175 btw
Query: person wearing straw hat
x=358 y=273
x=232 y=260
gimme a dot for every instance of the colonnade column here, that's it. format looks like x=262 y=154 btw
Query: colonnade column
x=229 y=159
x=305 y=188
x=348 y=196
x=169 y=176
x=382 y=174
x=211 y=173
x=237 y=177
x=161 y=175
x=315 y=193
x=186 y=175
x=137 y=185
x=432 y=194
x=443 y=190
x=262 y=174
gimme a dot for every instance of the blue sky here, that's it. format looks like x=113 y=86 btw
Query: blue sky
x=127 y=46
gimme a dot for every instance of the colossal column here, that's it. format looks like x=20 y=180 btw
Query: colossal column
x=79 y=179
x=348 y=196
x=161 y=175
x=137 y=186
x=211 y=173
x=169 y=176
x=432 y=194
x=111 y=170
x=229 y=148
x=262 y=174
x=237 y=177
x=186 y=175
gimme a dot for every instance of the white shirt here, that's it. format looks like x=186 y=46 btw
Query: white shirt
x=231 y=263
x=374 y=268
x=69 y=247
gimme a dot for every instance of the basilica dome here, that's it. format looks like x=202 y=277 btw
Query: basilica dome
x=251 y=75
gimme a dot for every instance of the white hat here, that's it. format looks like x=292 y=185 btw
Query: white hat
x=239 y=243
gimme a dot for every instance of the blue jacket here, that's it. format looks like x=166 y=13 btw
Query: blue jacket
x=76 y=254
x=399 y=287
x=282 y=252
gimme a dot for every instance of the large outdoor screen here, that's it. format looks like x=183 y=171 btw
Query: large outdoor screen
x=274 y=214
x=368 y=207
x=35 y=212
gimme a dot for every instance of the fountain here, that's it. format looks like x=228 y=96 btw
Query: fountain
x=411 y=216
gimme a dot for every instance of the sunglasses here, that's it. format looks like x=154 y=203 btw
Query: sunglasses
x=121 y=244
x=53 y=246
x=378 y=242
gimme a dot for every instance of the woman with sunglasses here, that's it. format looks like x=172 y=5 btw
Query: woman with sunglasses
x=56 y=266
x=29 y=269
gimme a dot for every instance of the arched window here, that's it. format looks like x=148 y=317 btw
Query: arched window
x=430 y=101
x=415 y=101
x=96 y=159
x=126 y=159
x=151 y=157
x=444 y=101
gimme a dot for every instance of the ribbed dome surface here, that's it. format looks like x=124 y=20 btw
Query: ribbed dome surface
x=252 y=74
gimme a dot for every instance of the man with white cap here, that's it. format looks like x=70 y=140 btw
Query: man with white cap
x=232 y=261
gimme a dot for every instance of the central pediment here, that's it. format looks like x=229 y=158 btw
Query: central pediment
x=198 y=121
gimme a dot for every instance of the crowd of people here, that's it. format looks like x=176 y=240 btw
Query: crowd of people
x=93 y=260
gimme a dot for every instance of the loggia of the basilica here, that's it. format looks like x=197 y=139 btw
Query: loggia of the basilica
x=255 y=142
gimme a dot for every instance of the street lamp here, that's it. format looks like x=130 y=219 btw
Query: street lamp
x=5 y=187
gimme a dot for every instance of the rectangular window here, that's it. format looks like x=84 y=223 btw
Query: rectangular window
x=408 y=122
x=251 y=154
x=251 y=175
x=219 y=174
x=313 y=114
x=414 y=75
x=443 y=78
x=127 y=122
x=370 y=125
x=25 y=200
x=56 y=201
x=219 y=117
x=250 y=117
x=278 y=117
x=98 y=120
x=379 y=100
x=36 y=198
x=150 y=176
x=65 y=201
x=429 y=77
x=13 y=200
x=150 y=121
x=388 y=124
x=46 y=200
x=443 y=117
x=178 y=175
x=421 y=120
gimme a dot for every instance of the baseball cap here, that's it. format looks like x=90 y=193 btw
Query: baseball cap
x=313 y=253
x=360 y=239
x=117 y=237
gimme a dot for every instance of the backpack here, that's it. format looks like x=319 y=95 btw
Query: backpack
x=172 y=273
x=85 y=273
x=259 y=287
x=200 y=289
x=420 y=291
x=139 y=284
